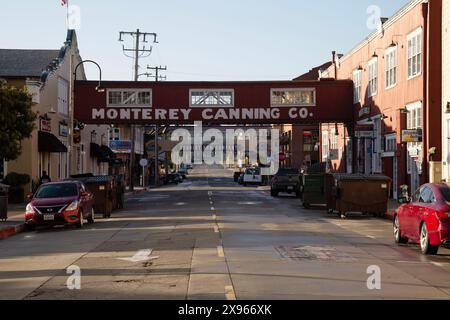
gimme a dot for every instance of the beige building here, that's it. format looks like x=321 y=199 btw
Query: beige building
x=46 y=74
x=446 y=90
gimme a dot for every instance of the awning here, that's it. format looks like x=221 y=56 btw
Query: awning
x=108 y=152
x=49 y=143
x=96 y=152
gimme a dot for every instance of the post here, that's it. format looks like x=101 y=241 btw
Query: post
x=71 y=118
x=133 y=128
x=156 y=155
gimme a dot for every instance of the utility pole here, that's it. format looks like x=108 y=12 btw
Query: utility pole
x=157 y=76
x=157 y=79
x=138 y=53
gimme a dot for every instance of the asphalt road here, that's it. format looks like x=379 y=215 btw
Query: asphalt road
x=209 y=238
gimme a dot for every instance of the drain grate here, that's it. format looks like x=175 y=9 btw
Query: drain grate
x=301 y=253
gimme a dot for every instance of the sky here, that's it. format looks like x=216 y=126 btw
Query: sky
x=199 y=39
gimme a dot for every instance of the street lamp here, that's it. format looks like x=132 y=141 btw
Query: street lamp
x=73 y=78
x=99 y=87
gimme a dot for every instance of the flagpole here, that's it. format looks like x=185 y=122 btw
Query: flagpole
x=67 y=14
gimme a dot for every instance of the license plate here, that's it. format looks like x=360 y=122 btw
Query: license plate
x=49 y=217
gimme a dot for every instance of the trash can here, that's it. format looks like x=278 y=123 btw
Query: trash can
x=119 y=192
x=3 y=202
x=368 y=194
x=103 y=188
x=313 y=192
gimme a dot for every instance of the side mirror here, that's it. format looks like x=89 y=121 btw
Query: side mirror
x=30 y=197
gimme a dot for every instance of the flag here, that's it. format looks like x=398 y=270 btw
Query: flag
x=64 y=2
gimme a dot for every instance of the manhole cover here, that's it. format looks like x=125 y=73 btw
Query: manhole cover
x=300 y=253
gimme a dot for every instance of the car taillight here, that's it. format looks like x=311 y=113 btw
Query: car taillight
x=443 y=215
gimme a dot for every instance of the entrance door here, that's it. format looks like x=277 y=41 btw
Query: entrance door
x=368 y=156
x=395 y=178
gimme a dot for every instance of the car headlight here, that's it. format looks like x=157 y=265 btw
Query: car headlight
x=73 y=206
x=29 y=209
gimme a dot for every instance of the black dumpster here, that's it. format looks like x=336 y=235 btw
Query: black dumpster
x=103 y=189
x=3 y=202
x=368 y=194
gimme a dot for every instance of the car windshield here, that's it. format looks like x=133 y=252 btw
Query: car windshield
x=445 y=191
x=57 y=191
x=286 y=171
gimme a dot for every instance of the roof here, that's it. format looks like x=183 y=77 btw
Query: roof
x=25 y=63
x=314 y=73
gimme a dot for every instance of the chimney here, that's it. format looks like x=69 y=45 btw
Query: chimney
x=333 y=53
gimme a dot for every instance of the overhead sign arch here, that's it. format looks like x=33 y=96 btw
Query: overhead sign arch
x=249 y=102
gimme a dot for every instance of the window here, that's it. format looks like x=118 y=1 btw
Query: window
x=293 y=97
x=114 y=134
x=357 y=86
x=391 y=67
x=129 y=97
x=373 y=77
x=63 y=105
x=426 y=195
x=212 y=97
x=325 y=145
x=391 y=143
x=414 y=53
x=414 y=121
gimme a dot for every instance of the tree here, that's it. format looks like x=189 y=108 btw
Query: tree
x=16 y=120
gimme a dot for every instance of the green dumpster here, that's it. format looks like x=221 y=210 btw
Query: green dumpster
x=313 y=190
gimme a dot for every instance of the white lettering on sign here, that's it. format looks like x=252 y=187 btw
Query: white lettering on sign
x=184 y=114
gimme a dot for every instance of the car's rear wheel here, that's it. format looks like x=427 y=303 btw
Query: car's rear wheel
x=397 y=233
x=91 y=218
x=425 y=246
x=80 y=222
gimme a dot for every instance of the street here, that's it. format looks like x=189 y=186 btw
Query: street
x=209 y=238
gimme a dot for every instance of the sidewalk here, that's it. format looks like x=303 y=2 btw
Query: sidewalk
x=15 y=223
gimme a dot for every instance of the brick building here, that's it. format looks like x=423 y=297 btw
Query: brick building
x=397 y=73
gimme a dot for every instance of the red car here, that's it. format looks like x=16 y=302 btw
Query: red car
x=425 y=219
x=60 y=203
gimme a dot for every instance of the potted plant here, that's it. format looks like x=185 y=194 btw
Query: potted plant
x=16 y=182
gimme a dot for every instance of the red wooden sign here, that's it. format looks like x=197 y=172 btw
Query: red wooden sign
x=267 y=102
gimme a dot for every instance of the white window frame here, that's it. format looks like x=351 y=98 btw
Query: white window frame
x=281 y=105
x=112 y=137
x=357 y=85
x=391 y=67
x=414 y=52
x=137 y=105
x=389 y=138
x=415 y=109
x=373 y=77
x=192 y=105
x=325 y=145
x=63 y=97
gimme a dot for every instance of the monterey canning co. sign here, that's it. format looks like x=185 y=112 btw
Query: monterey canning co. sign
x=265 y=102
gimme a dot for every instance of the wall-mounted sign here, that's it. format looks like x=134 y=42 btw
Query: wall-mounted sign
x=46 y=125
x=120 y=146
x=63 y=130
x=414 y=135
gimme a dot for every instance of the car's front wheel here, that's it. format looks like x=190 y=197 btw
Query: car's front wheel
x=397 y=232
x=91 y=218
x=425 y=246
x=80 y=222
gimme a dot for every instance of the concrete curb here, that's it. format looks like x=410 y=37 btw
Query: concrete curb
x=10 y=231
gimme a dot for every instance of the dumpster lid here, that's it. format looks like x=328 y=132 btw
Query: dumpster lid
x=368 y=177
x=93 y=179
